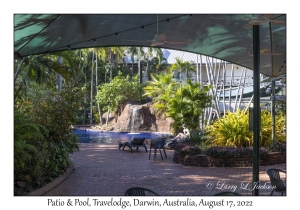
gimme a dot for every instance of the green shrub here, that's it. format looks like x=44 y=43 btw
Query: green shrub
x=266 y=128
x=187 y=148
x=197 y=136
x=231 y=130
x=277 y=147
x=232 y=152
x=42 y=136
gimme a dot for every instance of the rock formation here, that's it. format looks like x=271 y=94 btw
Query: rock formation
x=136 y=118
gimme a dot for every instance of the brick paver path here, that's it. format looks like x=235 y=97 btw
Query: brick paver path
x=105 y=170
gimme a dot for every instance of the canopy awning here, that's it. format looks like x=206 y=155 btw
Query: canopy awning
x=224 y=36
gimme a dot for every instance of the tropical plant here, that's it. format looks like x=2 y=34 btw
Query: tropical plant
x=160 y=89
x=231 y=130
x=120 y=91
x=26 y=135
x=154 y=59
x=43 y=140
x=186 y=105
x=197 y=136
x=266 y=128
x=181 y=66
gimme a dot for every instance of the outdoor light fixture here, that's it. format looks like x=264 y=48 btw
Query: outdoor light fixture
x=268 y=90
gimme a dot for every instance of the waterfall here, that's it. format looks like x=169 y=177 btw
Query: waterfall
x=133 y=116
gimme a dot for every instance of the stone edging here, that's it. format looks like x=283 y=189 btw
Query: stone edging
x=203 y=160
x=51 y=185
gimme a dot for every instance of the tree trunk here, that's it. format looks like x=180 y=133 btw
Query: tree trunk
x=108 y=110
x=140 y=70
x=92 y=79
x=58 y=76
x=98 y=105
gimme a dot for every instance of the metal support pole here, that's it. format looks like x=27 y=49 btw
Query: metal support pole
x=250 y=101
x=230 y=88
x=256 y=108
x=273 y=110
x=245 y=70
x=224 y=81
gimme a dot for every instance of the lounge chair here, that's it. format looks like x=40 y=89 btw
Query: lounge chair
x=139 y=191
x=158 y=144
x=135 y=143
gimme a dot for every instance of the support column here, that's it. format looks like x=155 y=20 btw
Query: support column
x=256 y=107
x=273 y=110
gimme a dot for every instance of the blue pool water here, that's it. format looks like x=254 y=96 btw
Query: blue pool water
x=92 y=136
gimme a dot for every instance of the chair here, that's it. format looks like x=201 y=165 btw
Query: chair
x=227 y=193
x=140 y=191
x=158 y=144
x=276 y=182
x=135 y=143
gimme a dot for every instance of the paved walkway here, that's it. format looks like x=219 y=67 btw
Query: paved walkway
x=105 y=170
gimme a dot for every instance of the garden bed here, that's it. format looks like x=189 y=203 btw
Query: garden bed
x=187 y=153
x=204 y=160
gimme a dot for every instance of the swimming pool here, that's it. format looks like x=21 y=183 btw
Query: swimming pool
x=92 y=136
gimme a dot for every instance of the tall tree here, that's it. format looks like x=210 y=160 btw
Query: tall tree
x=140 y=53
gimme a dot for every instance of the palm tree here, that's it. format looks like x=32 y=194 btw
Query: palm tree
x=186 y=105
x=183 y=66
x=41 y=69
x=98 y=105
x=154 y=59
x=160 y=89
x=140 y=52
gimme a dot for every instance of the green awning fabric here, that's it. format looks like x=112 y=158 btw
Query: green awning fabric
x=222 y=36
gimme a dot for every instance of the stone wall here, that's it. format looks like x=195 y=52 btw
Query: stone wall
x=208 y=161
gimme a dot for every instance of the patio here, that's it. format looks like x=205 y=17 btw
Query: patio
x=105 y=170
